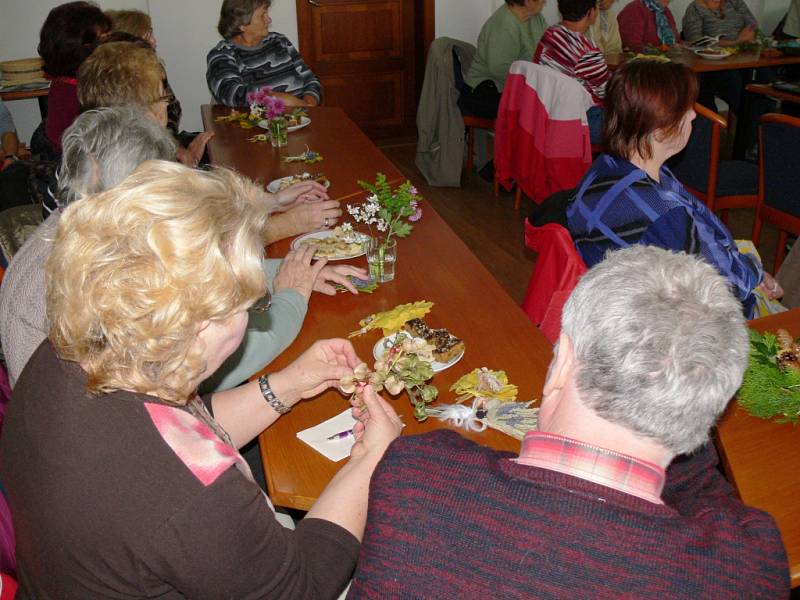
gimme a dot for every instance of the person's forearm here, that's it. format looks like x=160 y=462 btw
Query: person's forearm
x=10 y=144
x=280 y=226
x=349 y=488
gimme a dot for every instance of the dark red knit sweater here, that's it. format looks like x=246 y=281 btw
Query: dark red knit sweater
x=451 y=519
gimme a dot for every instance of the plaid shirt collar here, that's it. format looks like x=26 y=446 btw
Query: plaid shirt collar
x=598 y=465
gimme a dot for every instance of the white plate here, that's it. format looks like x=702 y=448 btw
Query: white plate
x=274 y=186
x=319 y=235
x=378 y=350
x=304 y=122
x=711 y=55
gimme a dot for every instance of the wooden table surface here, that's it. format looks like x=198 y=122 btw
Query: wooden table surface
x=762 y=458
x=348 y=154
x=742 y=60
x=433 y=264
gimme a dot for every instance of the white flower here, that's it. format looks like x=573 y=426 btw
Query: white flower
x=381 y=225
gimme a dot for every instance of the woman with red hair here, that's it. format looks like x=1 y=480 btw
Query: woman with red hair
x=68 y=36
x=629 y=196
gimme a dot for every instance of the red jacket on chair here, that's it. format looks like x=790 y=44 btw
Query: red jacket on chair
x=541 y=135
x=556 y=272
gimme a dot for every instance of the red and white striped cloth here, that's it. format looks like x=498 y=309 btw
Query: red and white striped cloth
x=572 y=54
x=541 y=132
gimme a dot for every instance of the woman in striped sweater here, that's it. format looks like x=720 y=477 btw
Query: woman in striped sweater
x=250 y=57
x=565 y=48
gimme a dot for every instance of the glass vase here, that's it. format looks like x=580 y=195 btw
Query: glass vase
x=278 y=132
x=381 y=258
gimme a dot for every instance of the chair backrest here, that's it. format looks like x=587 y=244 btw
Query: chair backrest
x=697 y=164
x=556 y=272
x=541 y=132
x=780 y=163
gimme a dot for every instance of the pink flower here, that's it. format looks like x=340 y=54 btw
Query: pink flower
x=417 y=214
x=413 y=191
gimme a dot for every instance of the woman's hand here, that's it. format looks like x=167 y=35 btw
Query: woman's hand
x=747 y=34
x=191 y=155
x=299 y=193
x=288 y=99
x=297 y=272
x=339 y=274
x=312 y=216
x=771 y=287
x=378 y=424
x=314 y=371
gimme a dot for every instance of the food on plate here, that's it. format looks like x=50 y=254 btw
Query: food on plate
x=295 y=117
x=292 y=179
x=788 y=350
x=446 y=345
x=338 y=244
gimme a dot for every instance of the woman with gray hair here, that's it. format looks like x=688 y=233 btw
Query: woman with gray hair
x=250 y=57
x=101 y=148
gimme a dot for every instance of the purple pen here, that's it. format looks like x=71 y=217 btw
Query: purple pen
x=340 y=436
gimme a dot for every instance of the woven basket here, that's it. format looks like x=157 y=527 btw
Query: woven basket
x=23 y=70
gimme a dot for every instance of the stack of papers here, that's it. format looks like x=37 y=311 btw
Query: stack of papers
x=317 y=436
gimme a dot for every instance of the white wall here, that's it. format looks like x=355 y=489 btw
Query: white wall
x=186 y=30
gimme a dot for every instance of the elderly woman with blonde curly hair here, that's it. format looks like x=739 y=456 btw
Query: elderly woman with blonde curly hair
x=122 y=481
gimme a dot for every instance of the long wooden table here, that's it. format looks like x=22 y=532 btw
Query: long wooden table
x=348 y=154
x=433 y=264
x=762 y=458
x=742 y=60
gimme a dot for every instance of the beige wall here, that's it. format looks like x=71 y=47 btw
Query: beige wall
x=186 y=30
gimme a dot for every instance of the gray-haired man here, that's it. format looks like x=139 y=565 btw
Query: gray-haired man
x=598 y=504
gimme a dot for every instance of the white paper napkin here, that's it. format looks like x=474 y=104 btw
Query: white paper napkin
x=334 y=450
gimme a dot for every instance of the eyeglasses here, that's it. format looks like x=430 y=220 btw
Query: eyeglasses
x=166 y=98
x=263 y=304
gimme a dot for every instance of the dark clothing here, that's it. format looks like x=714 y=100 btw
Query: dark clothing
x=451 y=519
x=482 y=101
x=617 y=205
x=62 y=109
x=122 y=495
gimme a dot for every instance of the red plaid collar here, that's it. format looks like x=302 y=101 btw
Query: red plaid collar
x=605 y=467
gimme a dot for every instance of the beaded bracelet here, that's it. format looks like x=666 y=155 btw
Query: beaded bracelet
x=266 y=391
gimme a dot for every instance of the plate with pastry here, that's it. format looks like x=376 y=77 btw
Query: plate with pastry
x=293 y=124
x=447 y=351
x=712 y=53
x=333 y=244
x=284 y=182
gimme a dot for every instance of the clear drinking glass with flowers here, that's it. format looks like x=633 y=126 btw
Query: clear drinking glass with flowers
x=391 y=211
x=266 y=107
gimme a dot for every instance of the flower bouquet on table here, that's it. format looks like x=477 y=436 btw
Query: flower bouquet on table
x=391 y=211
x=267 y=109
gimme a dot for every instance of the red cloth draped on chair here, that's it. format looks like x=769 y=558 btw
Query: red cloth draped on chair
x=556 y=272
x=541 y=135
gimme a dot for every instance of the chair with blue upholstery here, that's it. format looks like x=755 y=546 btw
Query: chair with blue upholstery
x=779 y=179
x=721 y=184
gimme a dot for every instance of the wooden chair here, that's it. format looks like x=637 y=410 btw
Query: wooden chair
x=556 y=272
x=721 y=184
x=778 y=179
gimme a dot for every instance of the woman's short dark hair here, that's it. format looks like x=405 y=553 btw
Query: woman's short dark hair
x=69 y=34
x=235 y=13
x=515 y=2
x=575 y=10
x=644 y=96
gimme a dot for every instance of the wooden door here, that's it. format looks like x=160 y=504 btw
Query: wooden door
x=369 y=56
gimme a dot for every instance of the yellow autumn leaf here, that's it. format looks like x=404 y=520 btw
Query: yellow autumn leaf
x=393 y=320
x=484 y=383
